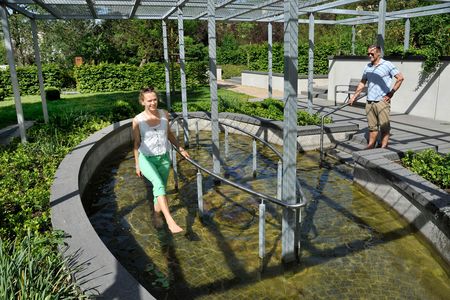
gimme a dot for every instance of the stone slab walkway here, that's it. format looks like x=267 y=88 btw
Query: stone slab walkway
x=407 y=130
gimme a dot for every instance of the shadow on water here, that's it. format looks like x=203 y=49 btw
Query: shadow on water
x=177 y=284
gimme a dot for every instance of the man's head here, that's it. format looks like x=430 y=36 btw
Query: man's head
x=374 y=53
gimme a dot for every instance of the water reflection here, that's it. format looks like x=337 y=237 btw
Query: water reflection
x=353 y=246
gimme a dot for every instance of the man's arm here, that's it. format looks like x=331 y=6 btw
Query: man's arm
x=358 y=91
x=399 y=79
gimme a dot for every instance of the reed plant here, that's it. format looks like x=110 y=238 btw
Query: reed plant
x=31 y=268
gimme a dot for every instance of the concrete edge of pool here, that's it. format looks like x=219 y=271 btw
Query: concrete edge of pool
x=420 y=202
x=102 y=274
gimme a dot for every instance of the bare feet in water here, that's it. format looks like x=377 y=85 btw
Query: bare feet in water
x=174 y=228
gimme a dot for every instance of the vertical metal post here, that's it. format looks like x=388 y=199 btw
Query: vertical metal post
x=290 y=127
x=200 y=192
x=311 y=62
x=226 y=142
x=183 y=77
x=177 y=131
x=381 y=24
x=353 y=39
x=254 y=158
x=407 y=30
x=166 y=64
x=213 y=85
x=175 y=168
x=269 y=43
x=13 y=73
x=37 y=56
x=262 y=229
x=279 y=179
x=197 y=134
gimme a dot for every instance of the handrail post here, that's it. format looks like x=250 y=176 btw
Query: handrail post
x=226 y=142
x=200 y=192
x=321 y=138
x=262 y=229
x=254 y=158
x=197 y=138
x=175 y=170
x=298 y=220
x=279 y=179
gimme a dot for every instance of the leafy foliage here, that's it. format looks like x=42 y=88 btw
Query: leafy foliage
x=272 y=109
x=229 y=71
x=32 y=268
x=52 y=93
x=27 y=76
x=430 y=165
x=125 y=77
x=27 y=170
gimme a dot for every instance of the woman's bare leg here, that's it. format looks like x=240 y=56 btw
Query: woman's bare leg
x=161 y=206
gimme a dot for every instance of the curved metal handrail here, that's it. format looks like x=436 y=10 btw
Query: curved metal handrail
x=241 y=187
x=322 y=121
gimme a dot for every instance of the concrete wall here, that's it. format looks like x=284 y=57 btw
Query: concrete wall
x=261 y=80
x=428 y=98
x=420 y=202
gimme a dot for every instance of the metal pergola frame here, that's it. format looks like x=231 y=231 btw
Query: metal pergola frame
x=268 y=11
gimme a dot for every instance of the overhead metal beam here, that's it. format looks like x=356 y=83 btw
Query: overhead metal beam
x=257 y=7
x=21 y=10
x=180 y=4
x=47 y=8
x=277 y=16
x=135 y=7
x=91 y=8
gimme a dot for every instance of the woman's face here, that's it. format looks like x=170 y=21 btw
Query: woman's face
x=150 y=101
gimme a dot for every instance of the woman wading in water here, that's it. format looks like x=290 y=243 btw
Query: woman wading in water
x=151 y=135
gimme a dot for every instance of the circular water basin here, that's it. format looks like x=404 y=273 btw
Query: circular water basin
x=352 y=245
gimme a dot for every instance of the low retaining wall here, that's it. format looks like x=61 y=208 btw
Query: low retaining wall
x=102 y=274
x=420 y=202
x=261 y=80
x=419 y=95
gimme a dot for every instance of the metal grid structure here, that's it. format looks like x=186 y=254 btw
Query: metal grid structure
x=290 y=12
x=226 y=10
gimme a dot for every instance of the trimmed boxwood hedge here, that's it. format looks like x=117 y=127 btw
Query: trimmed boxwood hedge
x=123 y=77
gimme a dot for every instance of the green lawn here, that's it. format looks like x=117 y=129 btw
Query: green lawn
x=97 y=103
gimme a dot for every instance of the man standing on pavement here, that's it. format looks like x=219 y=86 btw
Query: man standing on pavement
x=378 y=73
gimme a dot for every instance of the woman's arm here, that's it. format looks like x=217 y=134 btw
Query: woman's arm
x=136 y=144
x=173 y=140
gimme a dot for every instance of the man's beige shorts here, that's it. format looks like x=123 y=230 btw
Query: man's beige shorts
x=378 y=116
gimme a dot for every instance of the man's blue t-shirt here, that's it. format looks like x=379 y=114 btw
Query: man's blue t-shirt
x=379 y=78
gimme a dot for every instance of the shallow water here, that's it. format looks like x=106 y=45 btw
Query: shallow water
x=352 y=245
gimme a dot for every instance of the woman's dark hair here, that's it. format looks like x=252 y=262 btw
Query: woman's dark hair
x=146 y=90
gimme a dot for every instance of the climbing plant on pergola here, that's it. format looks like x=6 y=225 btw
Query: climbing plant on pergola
x=268 y=11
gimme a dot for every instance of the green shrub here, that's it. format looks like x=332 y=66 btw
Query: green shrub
x=2 y=94
x=229 y=71
x=32 y=268
x=122 y=110
x=430 y=165
x=28 y=79
x=123 y=77
x=52 y=93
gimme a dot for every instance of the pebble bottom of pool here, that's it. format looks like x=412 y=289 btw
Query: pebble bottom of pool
x=353 y=246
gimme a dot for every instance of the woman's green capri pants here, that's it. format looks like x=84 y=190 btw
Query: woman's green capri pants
x=156 y=170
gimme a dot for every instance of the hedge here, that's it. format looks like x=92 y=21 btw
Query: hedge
x=255 y=57
x=28 y=79
x=124 y=77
